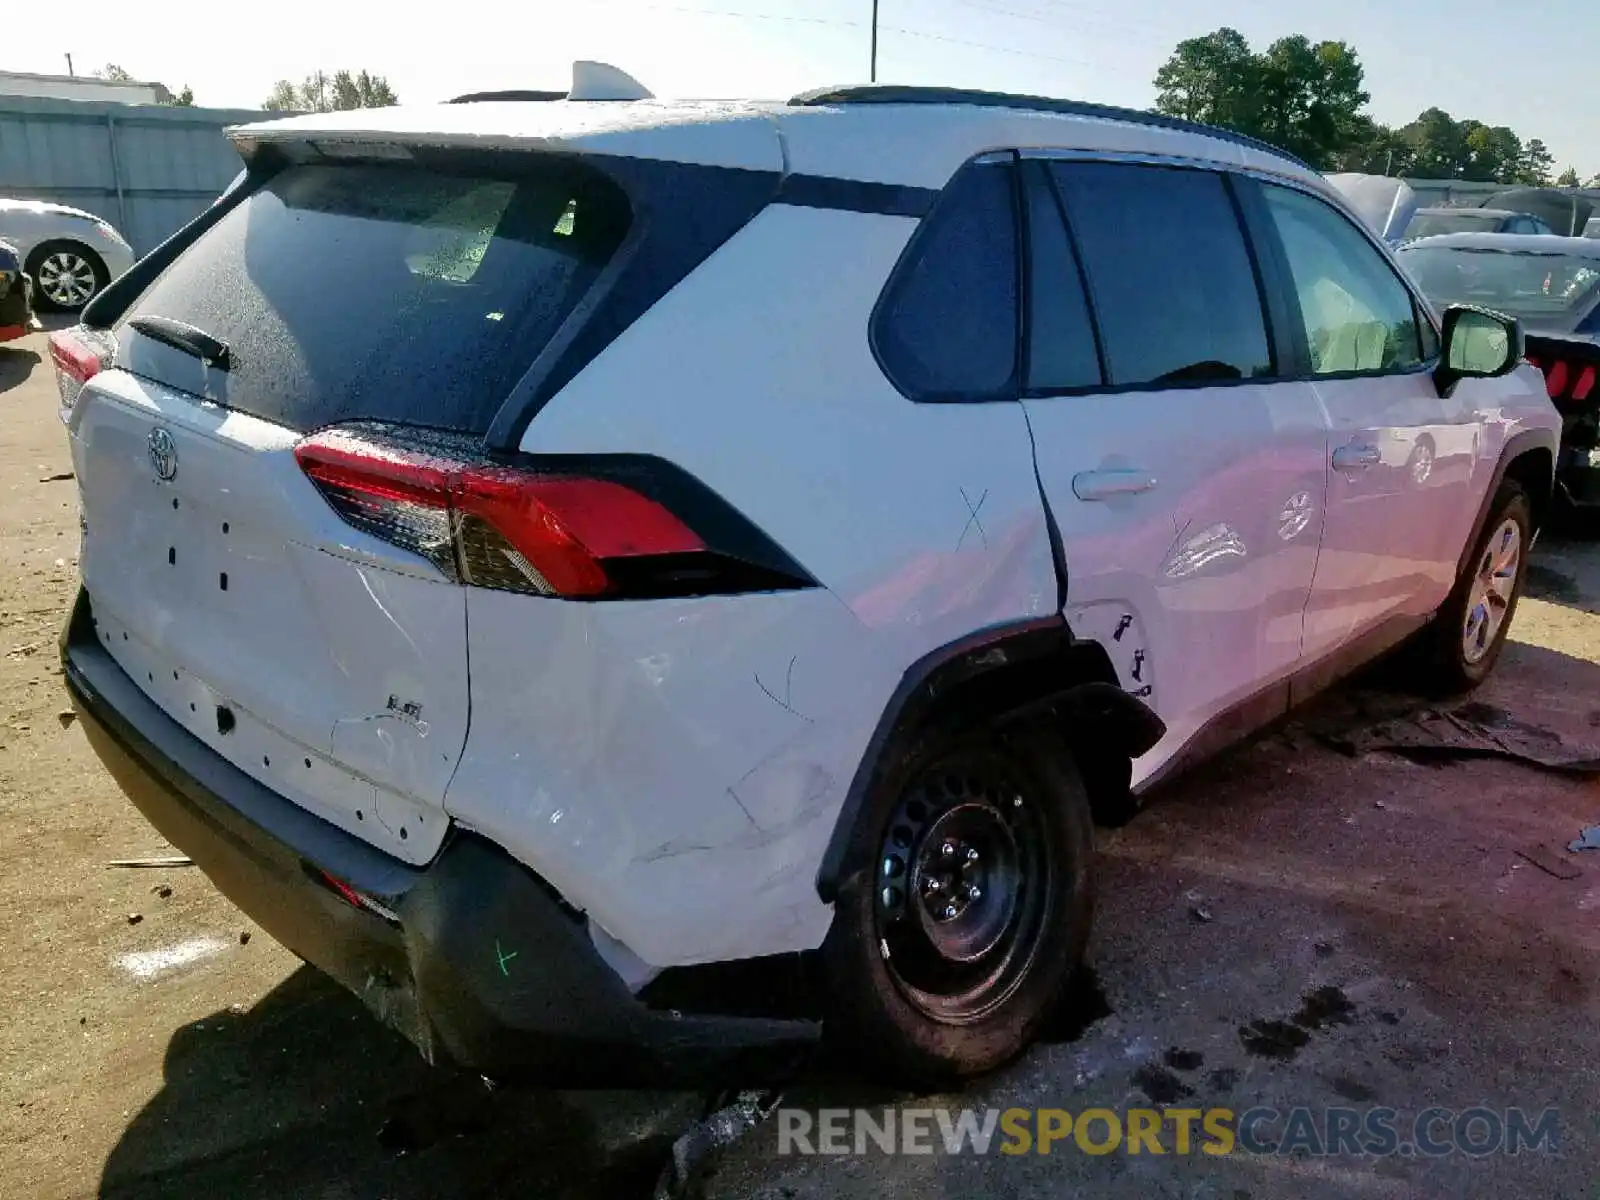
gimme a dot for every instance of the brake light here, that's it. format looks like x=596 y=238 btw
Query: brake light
x=1566 y=381
x=79 y=354
x=494 y=526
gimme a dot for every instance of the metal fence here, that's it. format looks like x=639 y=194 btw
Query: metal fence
x=146 y=169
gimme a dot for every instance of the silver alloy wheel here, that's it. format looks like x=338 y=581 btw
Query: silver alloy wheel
x=1493 y=587
x=66 y=279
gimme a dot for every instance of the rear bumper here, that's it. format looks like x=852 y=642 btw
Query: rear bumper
x=473 y=958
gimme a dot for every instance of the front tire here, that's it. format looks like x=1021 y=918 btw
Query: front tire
x=1469 y=631
x=951 y=949
x=66 y=275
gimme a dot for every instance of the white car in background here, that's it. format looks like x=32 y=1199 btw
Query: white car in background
x=70 y=254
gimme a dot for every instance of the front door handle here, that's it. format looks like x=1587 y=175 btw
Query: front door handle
x=1102 y=485
x=1354 y=456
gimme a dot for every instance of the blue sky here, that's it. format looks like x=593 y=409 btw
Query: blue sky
x=1529 y=66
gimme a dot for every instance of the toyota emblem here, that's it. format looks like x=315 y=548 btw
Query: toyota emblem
x=163 y=453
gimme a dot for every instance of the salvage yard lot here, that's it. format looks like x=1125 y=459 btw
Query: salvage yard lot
x=150 y=1046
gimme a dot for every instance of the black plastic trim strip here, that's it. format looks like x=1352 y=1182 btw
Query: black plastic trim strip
x=1286 y=333
x=854 y=195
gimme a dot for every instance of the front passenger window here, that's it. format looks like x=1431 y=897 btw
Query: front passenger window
x=1358 y=316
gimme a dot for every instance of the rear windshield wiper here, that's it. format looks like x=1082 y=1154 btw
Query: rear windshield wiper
x=209 y=350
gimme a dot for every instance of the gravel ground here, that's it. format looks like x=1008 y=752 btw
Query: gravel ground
x=1288 y=927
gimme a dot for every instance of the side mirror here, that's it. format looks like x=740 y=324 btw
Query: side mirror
x=1477 y=344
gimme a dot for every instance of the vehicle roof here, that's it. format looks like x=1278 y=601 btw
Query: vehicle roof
x=1511 y=243
x=908 y=141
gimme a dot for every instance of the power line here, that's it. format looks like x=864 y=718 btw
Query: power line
x=843 y=23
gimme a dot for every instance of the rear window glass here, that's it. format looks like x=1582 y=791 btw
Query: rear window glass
x=385 y=292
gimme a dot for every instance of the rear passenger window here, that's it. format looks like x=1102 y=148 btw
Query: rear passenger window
x=946 y=329
x=1169 y=274
x=1358 y=316
x=1061 y=345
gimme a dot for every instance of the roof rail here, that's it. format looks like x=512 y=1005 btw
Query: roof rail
x=510 y=94
x=590 y=81
x=879 y=93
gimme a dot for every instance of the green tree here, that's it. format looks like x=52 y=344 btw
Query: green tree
x=1304 y=97
x=1534 y=167
x=1212 y=79
x=1311 y=98
x=113 y=73
x=1568 y=178
x=1492 y=152
x=339 y=92
x=1438 y=146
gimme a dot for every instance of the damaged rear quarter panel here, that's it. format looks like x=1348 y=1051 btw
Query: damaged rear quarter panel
x=673 y=768
x=676 y=768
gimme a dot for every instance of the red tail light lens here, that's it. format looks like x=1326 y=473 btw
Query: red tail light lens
x=1566 y=381
x=490 y=525
x=79 y=354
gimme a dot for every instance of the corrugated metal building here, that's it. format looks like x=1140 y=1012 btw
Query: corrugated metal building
x=145 y=168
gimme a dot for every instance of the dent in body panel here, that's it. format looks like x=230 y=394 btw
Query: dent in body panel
x=630 y=757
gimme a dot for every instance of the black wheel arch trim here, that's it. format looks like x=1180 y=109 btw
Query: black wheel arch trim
x=1118 y=719
x=1518 y=445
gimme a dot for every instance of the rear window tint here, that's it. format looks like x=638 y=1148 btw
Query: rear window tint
x=946 y=329
x=384 y=292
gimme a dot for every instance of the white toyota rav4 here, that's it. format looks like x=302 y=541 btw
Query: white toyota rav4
x=536 y=552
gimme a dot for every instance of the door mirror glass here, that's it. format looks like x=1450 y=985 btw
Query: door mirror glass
x=1479 y=344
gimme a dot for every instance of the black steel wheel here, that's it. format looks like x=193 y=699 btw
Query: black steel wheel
x=951 y=948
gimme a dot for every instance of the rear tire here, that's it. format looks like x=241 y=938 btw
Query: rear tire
x=66 y=275
x=1464 y=641
x=951 y=949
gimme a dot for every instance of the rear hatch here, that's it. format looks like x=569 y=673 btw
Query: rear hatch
x=313 y=634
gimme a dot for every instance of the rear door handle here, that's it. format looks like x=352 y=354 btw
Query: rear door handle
x=1102 y=485
x=1351 y=457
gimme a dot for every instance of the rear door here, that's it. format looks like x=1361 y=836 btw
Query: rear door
x=1187 y=481
x=1401 y=458
x=327 y=662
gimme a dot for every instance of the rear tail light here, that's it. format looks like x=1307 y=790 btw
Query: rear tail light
x=79 y=354
x=567 y=533
x=1567 y=381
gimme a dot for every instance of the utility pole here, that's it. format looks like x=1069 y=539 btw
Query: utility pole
x=70 y=72
x=872 y=76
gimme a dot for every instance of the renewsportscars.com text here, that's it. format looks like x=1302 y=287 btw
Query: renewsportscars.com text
x=1374 y=1132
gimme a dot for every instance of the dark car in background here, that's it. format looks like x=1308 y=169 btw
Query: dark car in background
x=1432 y=222
x=1552 y=285
x=16 y=295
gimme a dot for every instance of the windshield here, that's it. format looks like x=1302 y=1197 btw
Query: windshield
x=1466 y=221
x=1543 y=289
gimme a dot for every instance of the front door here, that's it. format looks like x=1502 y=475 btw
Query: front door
x=1400 y=457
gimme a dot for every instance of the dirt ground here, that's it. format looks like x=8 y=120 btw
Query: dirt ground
x=1453 y=971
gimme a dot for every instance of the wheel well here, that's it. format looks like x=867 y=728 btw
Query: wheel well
x=1015 y=685
x=1534 y=471
x=1038 y=674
